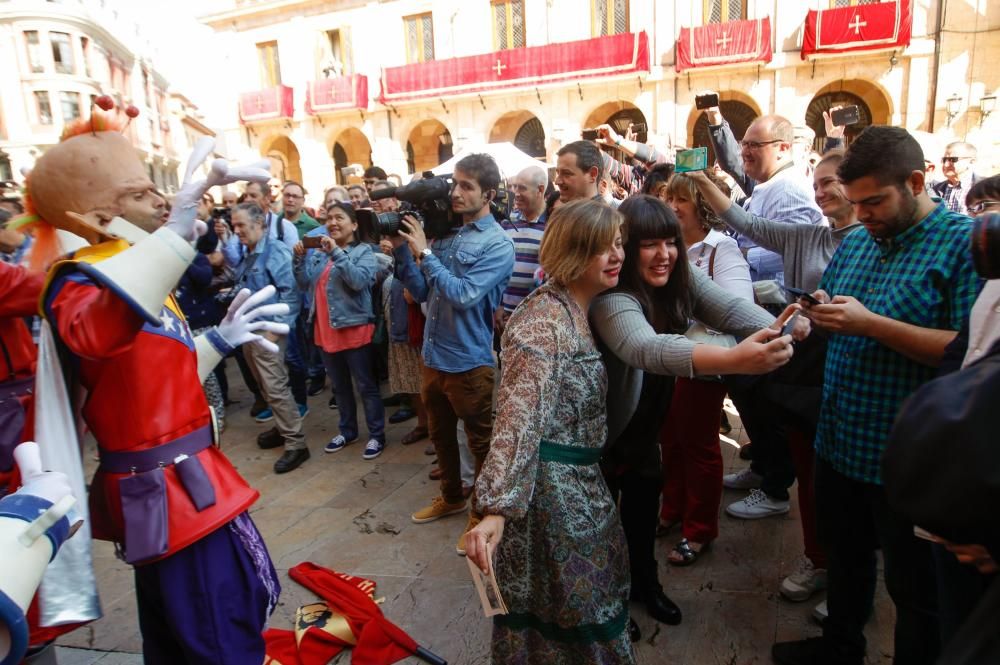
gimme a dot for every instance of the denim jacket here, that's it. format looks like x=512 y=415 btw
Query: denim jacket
x=270 y=263
x=349 y=288
x=461 y=282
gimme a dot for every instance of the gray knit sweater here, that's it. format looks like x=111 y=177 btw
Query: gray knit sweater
x=805 y=249
x=630 y=345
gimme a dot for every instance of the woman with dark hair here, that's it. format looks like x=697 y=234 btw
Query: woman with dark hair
x=641 y=324
x=341 y=273
x=983 y=196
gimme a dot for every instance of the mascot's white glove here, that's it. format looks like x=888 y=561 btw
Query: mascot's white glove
x=49 y=485
x=183 y=218
x=241 y=323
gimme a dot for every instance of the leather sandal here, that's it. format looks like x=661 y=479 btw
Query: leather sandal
x=685 y=555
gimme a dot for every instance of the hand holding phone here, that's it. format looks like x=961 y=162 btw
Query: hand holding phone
x=312 y=242
x=695 y=159
x=706 y=101
x=589 y=135
x=789 y=325
x=848 y=115
x=800 y=293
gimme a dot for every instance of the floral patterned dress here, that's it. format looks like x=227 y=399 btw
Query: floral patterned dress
x=562 y=565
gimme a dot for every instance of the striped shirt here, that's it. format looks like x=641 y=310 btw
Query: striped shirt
x=923 y=277
x=527 y=237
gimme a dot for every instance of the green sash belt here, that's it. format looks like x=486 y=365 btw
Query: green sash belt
x=583 y=634
x=555 y=452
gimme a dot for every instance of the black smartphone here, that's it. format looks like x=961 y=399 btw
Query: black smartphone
x=589 y=135
x=789 y=324
x=637 y=127
x=312 y=242
x=849 y=115
x=702 y=102
x=799 y=293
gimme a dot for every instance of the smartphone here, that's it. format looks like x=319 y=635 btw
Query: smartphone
x=589 y=135
x=695 y=159
x=637 y=127
x=702 y=102
x=849 y=115
x=312 y=242
x=789 y=324
x=925 y=534
x=799 y=293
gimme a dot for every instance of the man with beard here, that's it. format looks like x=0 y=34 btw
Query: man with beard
x=891 y=299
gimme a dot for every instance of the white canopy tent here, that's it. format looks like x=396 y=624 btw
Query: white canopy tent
x=509 y=158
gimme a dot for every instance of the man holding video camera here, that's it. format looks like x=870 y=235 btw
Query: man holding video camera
x=461 y=275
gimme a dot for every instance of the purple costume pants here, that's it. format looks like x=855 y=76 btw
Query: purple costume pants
x=208 y=603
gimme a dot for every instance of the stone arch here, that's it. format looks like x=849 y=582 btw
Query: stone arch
x=429 y=144
x=738 y=109
x=350 y=146
x=523 y=129
x=618 y=114
x=873 y=104
x=284 y=156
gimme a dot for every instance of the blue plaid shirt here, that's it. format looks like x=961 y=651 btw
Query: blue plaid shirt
x=923 y=276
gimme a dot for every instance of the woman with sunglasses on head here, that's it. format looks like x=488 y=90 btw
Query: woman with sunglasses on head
x=560 y=554
x=341 y=271
x=641 y=324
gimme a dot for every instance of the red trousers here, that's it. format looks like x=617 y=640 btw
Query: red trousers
x=692 y=459
x=800 y=445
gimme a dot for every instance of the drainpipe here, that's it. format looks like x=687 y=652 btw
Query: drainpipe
x=932 y=98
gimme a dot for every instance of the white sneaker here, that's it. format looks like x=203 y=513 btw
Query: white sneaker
x=757 y=505
x=820 y=613
x=743 y=480
x=802 y=584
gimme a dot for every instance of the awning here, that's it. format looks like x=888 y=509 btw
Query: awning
x=337 y=94
x=267 y=104
x=724 y=44
x=527 y=67
x=879 y=26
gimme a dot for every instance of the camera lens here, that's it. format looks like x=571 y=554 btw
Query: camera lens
x=387 y=223
x=986 y=246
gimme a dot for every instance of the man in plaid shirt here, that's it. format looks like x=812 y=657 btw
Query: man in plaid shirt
x=894 y=295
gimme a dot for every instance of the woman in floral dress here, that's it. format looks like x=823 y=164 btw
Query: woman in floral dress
x=561 y=561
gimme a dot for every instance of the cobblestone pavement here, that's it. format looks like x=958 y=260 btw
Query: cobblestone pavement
x=352 y=515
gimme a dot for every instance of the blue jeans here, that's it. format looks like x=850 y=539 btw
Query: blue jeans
x=356 y=366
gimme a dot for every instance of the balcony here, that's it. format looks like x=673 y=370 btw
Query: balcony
x=732 y=42
x=528 y=67
x=874 y=27
x=340 y=93
x=275 y=103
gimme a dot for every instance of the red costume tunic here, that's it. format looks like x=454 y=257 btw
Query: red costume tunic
x=143 y=391
x=19 y=291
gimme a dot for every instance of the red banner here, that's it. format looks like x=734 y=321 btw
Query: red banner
x=267 y=104
x=724 y=44
x=337 y=94
x=531 y=66
x=883 y=25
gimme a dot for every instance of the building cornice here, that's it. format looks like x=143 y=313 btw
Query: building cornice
x=247 y=10
x=79 y=20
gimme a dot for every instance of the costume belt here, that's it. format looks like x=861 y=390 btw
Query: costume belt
x=137 y=461
x=575 y=455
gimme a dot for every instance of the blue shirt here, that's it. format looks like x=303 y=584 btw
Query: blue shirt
x=922 y=276
x=461 y=282
x=270 y=263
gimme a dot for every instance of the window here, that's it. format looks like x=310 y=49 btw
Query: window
x=145 y=89
x=851 y=3
x=43 y=107
x=70 y=103
x=609 y=17
x=334 y=56
x=508 y=24
x=419 y=38
x=720 y=11
x=34 y=51
x=62 y=52
x=270 y=68
x=85 y=47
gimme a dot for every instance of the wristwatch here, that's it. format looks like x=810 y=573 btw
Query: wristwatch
x=425 y=252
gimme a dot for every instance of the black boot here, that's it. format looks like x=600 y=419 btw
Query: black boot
x=658 y=605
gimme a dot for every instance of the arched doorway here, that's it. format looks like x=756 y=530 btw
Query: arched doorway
x=429 y=145
x=284 y=158
x=827 y=100
x=738 y=114
x=350 y=147
x=619 y=114
x=522 y=129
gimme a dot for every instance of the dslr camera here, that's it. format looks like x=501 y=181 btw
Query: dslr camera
x=428 y=200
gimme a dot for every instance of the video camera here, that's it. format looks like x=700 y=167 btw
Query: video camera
x=429 y=201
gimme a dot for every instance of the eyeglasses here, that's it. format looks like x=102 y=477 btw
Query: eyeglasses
x=982 y=206
x=951 y=160
x=757 y=145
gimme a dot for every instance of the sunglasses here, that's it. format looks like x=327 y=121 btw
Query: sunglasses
x=951 y=160
x=982 y=206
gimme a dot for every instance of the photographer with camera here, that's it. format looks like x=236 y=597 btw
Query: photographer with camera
x=461 y=276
